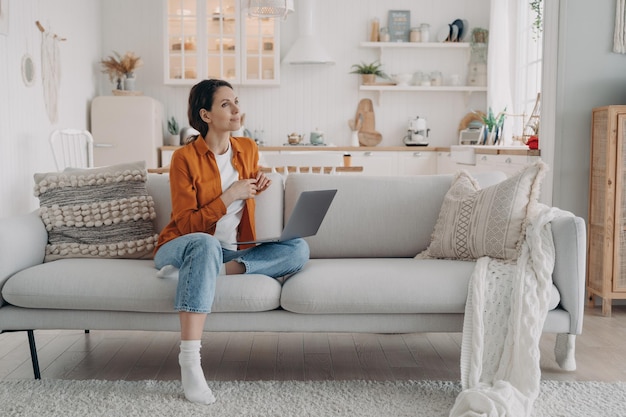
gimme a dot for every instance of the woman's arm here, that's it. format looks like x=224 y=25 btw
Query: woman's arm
x=196 y=203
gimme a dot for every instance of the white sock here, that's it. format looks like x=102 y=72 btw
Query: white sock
x=171 y=272
x=192 y=376
x=168 y=272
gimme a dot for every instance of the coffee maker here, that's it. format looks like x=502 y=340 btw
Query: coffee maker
x=418 y=132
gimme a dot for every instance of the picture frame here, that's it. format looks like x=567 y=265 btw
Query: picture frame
x=399 y=25
x=4 y=17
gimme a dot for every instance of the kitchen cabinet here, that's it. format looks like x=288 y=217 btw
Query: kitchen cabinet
x=216 y=39
x=376 y=163
x=300 y=158
x=417 y=163
x=381 y=163
x=508 y=163
x=389 y=162
x=606 y=224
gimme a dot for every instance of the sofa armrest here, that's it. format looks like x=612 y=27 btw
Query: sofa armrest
x=570 y=244
x=23 y=242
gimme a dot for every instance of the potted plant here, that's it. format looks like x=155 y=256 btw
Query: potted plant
x=369 y=72
x=493 y=126
x=174 y=130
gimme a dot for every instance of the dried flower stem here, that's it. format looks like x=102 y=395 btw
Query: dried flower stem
x=117 y=66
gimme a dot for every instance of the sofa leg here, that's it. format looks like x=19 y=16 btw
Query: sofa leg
x=33 y=353
x=565 y=351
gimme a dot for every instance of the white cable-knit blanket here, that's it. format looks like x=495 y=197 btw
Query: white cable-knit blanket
x=506 y=307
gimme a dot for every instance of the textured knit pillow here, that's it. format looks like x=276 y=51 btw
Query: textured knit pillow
x=490 y=222
x=97 y=212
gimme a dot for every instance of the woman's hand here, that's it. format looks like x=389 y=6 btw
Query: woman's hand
x=240 y=190
x=262 y=182
x=245 y=189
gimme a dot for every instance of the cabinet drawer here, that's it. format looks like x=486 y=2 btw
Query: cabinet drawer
x=509 y=164
x=417 y=163
x=376 y=163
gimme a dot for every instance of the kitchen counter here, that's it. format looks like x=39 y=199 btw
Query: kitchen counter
x=393 y=160
x=483 y=150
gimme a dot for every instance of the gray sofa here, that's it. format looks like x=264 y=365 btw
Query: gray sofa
x=362 y=276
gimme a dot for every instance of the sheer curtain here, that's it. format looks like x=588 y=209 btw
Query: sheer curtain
x=619 y=37
x=513 y=64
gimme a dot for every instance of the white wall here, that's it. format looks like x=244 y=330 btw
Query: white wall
x=24 y=124
x=589 y=75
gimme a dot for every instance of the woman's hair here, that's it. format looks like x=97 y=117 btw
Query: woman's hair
x=201 y=97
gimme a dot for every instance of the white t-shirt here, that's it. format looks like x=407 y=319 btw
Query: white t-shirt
x=226 y=228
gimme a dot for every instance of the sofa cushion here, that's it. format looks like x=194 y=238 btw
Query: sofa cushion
x=490 y=222
x=127 y=285
x=353 y=286
x=101 y=212
x=381 y=286
x=368 y=219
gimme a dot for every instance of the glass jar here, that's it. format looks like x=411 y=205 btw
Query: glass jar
x=416 y=34
x=425 y=32
x=436 y=78
x=418 y=77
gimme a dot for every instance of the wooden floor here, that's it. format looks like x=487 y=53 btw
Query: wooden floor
x=117 y=355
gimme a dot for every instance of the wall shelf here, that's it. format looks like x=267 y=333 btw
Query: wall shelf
x=419 y=45
x=443 y=88
x=380 y=89
x=440 y=46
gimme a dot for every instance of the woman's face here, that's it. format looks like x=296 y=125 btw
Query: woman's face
x=224 y=116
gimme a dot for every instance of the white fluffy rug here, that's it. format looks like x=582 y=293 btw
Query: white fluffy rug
x=272 y=398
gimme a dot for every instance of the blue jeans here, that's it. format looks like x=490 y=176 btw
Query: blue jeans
x=199 y=258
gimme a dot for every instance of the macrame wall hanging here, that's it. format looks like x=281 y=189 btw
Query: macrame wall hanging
x=619 y=37
x=50 y=70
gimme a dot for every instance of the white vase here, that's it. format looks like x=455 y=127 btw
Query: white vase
x=172 y=140
x=129 y=84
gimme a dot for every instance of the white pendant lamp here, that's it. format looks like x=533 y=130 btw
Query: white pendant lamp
x=269 y=8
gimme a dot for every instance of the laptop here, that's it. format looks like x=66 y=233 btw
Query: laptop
x=306 y=217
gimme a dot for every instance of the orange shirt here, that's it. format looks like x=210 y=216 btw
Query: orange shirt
x=196 y=187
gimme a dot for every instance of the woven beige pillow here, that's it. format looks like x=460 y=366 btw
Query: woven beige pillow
x=103 y=212
x=490 y=222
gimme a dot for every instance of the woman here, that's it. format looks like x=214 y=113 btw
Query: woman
x=213 y=182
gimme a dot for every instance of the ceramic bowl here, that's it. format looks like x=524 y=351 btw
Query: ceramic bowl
x=402 y=79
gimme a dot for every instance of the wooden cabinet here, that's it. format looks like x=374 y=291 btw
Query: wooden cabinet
x=216 y=39
x=606 y=252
